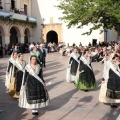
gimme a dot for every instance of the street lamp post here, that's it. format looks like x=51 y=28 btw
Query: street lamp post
x=1 y=5
x=106 y=35
x=107 y=21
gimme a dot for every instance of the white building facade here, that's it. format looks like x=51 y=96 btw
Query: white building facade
x=73 y=35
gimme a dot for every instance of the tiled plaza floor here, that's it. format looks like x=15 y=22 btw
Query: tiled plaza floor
x=67 y=103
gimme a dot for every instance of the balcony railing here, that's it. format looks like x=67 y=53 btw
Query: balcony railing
x=16 y=16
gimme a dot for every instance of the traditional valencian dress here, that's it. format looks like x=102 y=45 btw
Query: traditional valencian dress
x=103 y=89
x=72 y=67
x=86 y=79
x=10 y=79
x=113 y=85
x=18 y=77
x=110 y=89
x=34 y=95
x=106 y=75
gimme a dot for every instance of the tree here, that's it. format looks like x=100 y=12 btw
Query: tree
x=101 y=13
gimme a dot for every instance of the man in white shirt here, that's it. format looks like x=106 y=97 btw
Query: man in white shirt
x=109 y=47
x=116 y=46
x=31 y=47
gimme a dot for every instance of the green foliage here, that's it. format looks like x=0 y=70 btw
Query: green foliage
x=101 y=13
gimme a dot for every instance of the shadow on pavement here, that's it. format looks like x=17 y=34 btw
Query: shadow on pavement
x=3 y=66
x=50 y=79
x=83 y=100
x=53 y=85
x=61 y=100
x=53 y=67
x=52 y=64
x=51 y=73
x=49 y=61
x=112 y=114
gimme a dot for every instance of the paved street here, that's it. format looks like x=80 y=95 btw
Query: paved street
x=67 y=103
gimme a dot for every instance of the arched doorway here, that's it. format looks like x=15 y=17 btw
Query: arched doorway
x=52 y=36
x=27 y=35
x=14 y=35
x=1 y=35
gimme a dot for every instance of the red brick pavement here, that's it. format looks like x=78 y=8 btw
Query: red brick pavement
x=67 y=103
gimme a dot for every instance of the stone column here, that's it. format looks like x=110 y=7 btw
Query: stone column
x=8 y=5
x=7 y=39
x=30 y=39
x=29 y=8
x=21 y=5
x=18 y=4
x=22 y=38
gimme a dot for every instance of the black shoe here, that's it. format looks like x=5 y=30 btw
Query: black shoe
x=113 y=106
x=73 y=82
x=86 y=90
x=35 y=113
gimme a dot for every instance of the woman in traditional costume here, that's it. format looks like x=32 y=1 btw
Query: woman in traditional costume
x=33 y=94
x=10 y=74
x=86 y=80
x=20 y=66
x=113 y=85
x=36 y=54
x=103 y=89
x=73 y=66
